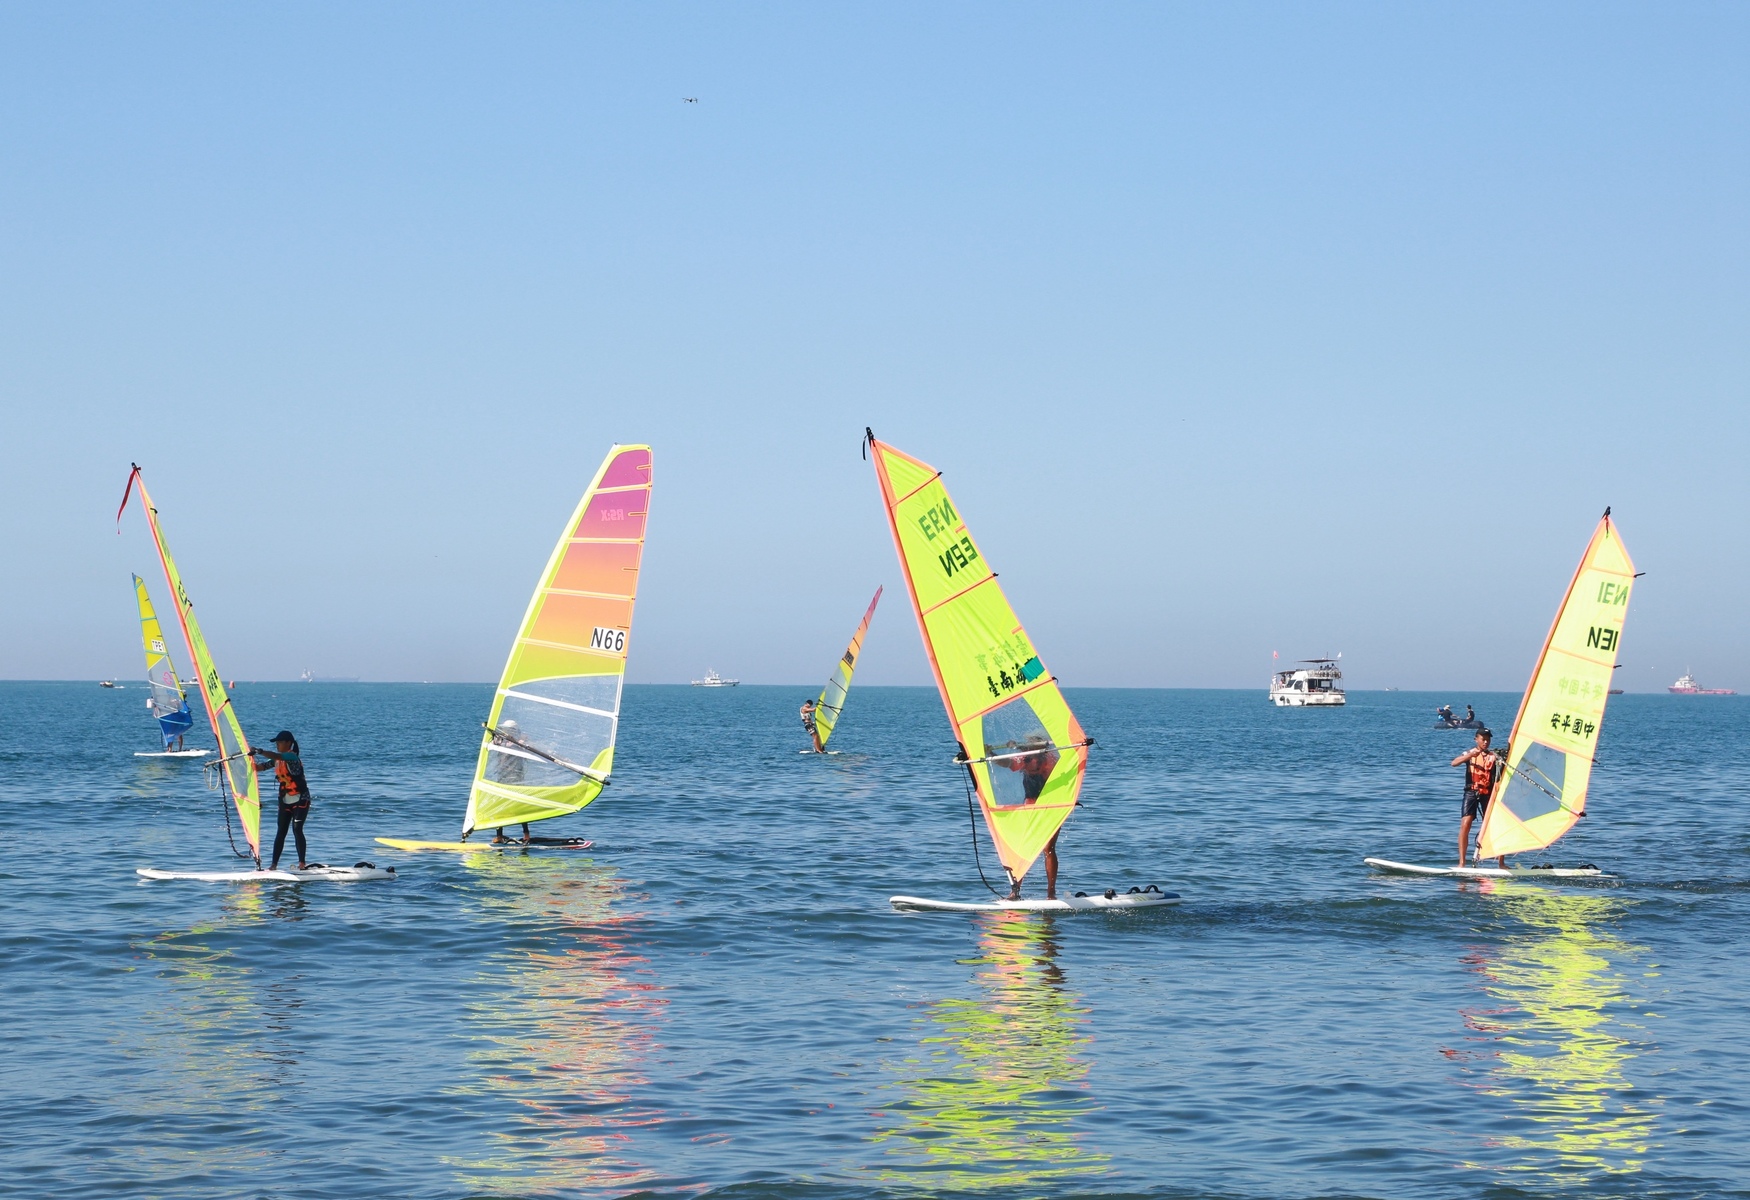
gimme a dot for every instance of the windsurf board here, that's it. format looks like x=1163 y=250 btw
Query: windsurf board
x=472 y=847
x=316 y=873
x=171 y=753
x=1386 y=864
x=1080 y=902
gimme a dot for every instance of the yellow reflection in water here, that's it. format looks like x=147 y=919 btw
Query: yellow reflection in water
x=1557 y=1021
x=563 y=1023
x=992 y=1100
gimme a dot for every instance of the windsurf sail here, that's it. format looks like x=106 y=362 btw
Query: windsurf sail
x=548 y=746
x=233 y=760
x=1022 y=745
x=831 y=704
x=1542 y=791
x=167 y=700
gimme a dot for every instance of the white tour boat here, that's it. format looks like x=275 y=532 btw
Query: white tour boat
x=713 y=679
x=1317 y=681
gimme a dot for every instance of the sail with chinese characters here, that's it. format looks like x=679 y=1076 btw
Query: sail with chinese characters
x=1542 y=791
x=831 y=705
x=167 y=700
x=1023 y=746
x=234 y=756
x=548 y=746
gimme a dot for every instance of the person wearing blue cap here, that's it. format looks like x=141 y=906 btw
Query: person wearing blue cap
x=288 y=769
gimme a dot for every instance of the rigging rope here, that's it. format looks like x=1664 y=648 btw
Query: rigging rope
x=972 y=816
x=214 y=774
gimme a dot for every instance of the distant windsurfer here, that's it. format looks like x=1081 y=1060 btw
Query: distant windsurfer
x=808 y=707
x=1034 y=759
x=1481 y=765
x=288 y=769
x=509 y=770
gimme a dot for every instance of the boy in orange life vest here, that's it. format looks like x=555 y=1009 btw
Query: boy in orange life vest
x=288 y=768
x=1480 y=765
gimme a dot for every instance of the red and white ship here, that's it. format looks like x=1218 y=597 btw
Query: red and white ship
x=1687 y=686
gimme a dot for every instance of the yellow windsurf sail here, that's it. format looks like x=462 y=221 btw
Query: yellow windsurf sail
x=1024 y=748
x=549 y=740
x=1542 y=792
x=167 y=700
x=831 y=705
x=234 y=760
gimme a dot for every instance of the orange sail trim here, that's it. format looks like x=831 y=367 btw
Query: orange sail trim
x=1023 y=747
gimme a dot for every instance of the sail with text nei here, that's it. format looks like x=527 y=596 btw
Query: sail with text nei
x=234 y=760
x=1542 y=791
x=548 y=747
x=168 y=702
x=831 y=705
x=1021 y=744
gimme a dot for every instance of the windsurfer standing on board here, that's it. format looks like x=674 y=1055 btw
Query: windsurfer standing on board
x=288 y=768
x=510 y=770
x=808 y=724
x=1480 y=765
x=1035 y=759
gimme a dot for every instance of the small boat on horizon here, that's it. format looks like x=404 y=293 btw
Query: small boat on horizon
x=1687 y=686
x=713 y=679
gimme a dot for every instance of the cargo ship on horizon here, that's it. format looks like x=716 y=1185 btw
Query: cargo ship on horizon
x=1687 y=686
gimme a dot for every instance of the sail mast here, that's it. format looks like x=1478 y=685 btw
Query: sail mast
x=234 y=760
x=1542 y=792
x=548 y=746
x=1022 y=745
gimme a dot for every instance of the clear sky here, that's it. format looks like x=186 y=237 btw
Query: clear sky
x=1235 y=328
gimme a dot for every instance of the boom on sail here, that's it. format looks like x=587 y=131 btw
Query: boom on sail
x=168 y=702
x=831 y=705
x=1021 y=744
x=548 y=746
x=234 y=761
x=1542 y=792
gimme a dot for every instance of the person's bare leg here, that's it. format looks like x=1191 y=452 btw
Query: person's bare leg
x=1464 y=837
x=1501 y=861
x=1051 y=870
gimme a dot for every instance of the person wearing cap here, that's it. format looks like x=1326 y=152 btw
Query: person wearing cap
x=288 y=769
x=1481 y=765
x=507 y=768
x=808 y=724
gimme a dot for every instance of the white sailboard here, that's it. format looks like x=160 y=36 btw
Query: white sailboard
x=1551 y=872
x=1080 y=902
x=314 y=872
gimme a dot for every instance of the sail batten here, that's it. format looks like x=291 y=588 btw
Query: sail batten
x=548 y=746
x=1542 y=790
x=234 y=759
x=831 y=704
x=1022 y=746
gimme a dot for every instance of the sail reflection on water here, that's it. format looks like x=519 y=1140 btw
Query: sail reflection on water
x=995 y=1096
x=563 y=1020
x=1560 y=1033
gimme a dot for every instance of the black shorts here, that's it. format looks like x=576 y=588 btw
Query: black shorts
x=1474 y=803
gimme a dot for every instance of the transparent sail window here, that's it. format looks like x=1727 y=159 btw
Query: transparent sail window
x=564 y=733
x=1534 y=788
x=1022 y=753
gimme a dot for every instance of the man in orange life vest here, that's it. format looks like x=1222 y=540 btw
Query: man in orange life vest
x=1481 y=765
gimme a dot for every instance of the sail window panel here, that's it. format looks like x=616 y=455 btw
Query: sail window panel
x=515 y=770
x=614 y=515
x=608 y=568
x=573 y=620
x=600 y=692
x=1534 y=788
x=628 y=469
x=576 y=737
x=1017 y=729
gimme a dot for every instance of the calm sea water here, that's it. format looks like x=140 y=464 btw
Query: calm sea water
x=717 y=999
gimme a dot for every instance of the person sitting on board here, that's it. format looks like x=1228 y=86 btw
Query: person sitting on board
x=1035 y=759
x=1480 y=765
x=808 y=724
x=288 y=768
x=509 y=770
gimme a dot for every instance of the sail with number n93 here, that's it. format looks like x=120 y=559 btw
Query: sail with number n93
x=831 y=705
x=549 y=741
x=234 y=760
x=1542 y=792
x=167 y=700
x=1026 y=752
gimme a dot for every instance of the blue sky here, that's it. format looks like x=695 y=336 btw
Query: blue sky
x=1235 y=328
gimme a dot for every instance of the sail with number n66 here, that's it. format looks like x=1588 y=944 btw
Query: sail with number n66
x=549 y=740
x=167 y=700
x=831 y=705
x=1026 y=752
x=234 y=760
x=1542 y=792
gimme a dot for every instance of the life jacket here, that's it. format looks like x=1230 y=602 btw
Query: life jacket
x=1482 y=778
x=291 y=780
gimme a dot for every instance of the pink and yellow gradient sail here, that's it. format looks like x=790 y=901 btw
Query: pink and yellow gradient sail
x=1027 y=752
x=831 y=705
x=1542 y=792
x=549 y=743
x=234 y=757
